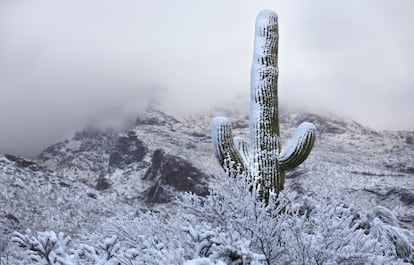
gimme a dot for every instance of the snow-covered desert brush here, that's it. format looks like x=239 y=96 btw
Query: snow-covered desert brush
x=322 y=233
x=47 y=248
x=264 y=161
x=230 y=226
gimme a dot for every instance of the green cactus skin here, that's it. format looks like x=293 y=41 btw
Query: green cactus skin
x=263 y=161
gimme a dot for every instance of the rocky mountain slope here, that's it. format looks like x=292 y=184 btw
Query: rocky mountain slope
x=73 y=185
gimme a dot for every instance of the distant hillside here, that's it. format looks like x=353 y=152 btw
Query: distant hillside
x=74 y=185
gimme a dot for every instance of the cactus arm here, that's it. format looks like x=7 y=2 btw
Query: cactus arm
x=264 y=120
x=298 y=147
x=224 y=147
x=243 y=149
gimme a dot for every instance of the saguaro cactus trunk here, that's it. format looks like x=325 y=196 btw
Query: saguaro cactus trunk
x=263 y=161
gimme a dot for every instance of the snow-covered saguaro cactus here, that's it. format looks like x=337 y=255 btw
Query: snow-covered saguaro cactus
x=263 y=161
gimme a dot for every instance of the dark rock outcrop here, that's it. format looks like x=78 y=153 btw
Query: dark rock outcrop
x=171 y=173
x=127 y=150
x=92 y=138
x=103 y=184
x=87 y=151
x=23 y=162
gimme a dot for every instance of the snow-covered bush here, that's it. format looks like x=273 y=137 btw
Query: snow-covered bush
x=180 y=237
x=231 y=226
x=47 y=248
x=287 y=233
x=384 y=227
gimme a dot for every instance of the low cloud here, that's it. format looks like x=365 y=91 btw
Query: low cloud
x=67 y=64
x=350 y=58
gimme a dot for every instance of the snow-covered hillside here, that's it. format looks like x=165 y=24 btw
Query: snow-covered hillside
x=75 y=185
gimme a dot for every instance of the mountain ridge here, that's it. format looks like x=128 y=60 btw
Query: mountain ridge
x=73 y=185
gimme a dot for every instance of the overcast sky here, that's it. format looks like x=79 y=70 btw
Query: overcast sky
x=64 y=64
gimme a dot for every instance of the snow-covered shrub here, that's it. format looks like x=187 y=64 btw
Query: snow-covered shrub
x=284 y=234
x=385 y=227
x=47 y=248
x=178 y=238
x=231 y=226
